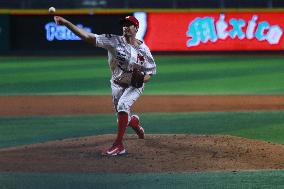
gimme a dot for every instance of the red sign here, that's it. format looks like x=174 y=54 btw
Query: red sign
x=215 y=31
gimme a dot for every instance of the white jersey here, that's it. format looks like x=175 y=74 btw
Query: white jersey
x=122 y=57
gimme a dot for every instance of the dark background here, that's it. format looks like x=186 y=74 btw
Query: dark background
x=23 y=4
x=4 y=33
x=28 y=33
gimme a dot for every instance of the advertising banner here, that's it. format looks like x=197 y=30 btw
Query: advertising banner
x=230 y=31
x=162 y=31
x=39 y=33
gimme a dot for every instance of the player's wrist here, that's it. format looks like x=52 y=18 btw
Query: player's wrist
x=147 y=78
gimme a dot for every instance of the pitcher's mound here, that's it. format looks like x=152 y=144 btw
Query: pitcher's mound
x=157 y=153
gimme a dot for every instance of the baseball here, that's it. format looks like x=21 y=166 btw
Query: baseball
x=51 y=10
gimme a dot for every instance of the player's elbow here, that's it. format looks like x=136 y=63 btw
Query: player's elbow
x=89 y=38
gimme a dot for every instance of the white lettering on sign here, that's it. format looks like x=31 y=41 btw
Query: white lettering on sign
x=56 y=32
x=205 y=29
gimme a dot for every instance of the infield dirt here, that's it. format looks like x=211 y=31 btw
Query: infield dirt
x=69 y=105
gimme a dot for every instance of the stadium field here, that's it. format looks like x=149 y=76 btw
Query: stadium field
x=176 y=75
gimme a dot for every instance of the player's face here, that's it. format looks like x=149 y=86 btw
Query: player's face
x=129 y=29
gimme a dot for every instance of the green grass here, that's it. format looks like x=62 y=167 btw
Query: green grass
x=268 y=126
x=207 y=180
x=184 y=75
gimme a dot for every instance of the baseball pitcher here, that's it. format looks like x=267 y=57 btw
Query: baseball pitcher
x=131 y=64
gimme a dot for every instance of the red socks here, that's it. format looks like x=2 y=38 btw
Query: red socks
x=134 y=122
x=122 y=124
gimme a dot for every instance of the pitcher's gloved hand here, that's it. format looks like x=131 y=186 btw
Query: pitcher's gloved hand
x=137 y=78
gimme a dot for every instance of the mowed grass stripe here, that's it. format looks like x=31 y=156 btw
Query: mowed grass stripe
x=54 y=75
x=59 y=76
x=11 y=62
x=251 y=84
x=175 y=75
x=216 y=63
x=52 y=70
x=51 y=64
x=261 y=75
x=267 y=126
x=42 y=67
x=198 y=180
x=94 y=86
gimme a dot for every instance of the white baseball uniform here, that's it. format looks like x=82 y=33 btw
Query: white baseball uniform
x=122 y=57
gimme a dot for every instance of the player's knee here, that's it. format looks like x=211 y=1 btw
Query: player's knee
x=123 y=107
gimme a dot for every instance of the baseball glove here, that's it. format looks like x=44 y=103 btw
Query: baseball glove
x=137 y=78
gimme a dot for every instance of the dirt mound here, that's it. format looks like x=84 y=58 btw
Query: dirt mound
x=157 y=153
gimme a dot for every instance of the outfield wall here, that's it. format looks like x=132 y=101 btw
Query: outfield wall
x=34 y=31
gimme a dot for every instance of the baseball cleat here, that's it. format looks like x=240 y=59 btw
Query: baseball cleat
x=115 y=150
x=135 y=124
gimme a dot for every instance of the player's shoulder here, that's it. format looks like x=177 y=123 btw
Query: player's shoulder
x=111 y=38
x=144 y=46
x=108 y=35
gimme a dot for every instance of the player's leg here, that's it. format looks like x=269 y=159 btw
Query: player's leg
x=117 y=148
x=135 y=124
x=125 y=103
x=129 y=96
x=122 y=104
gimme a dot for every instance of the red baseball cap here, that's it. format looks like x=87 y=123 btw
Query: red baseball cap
x=131 y=19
